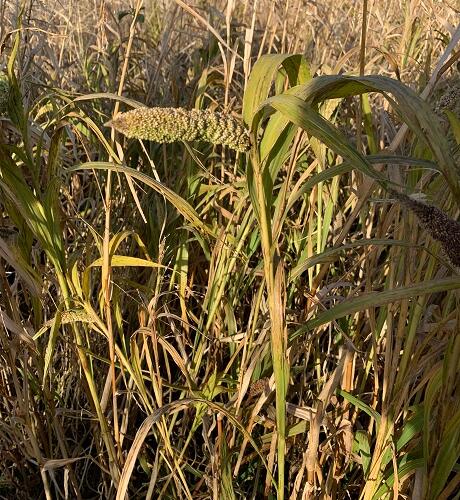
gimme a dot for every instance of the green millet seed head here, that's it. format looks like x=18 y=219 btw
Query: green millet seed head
x=438 y=224
x=179 y=124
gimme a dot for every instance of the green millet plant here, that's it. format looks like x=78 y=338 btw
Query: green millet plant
x=179 y=124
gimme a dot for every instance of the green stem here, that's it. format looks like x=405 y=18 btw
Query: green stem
x=273 y=279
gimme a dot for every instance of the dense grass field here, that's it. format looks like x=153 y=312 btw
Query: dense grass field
x=254 y=296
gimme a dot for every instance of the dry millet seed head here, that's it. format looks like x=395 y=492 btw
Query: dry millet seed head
x=450 y=100
x=179 y=124
x=438 y=224
x=258 y=387
x=4 y=92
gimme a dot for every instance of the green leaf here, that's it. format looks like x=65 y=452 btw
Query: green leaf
x=181 y=205
x=126 y=261
x=263 y=75
x=362 y=446
x=454 y=123
x=447 y=456
x=361 y=405
x=332 y=254
x=377 y=299
x=412 y=109
x=304 y=116
x=403 y=471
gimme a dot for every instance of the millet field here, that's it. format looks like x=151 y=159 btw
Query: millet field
x=229 y=249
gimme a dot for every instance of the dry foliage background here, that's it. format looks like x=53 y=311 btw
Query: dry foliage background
x=180 y=321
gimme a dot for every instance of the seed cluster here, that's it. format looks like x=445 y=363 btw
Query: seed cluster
x=450 y=100
x=438 y=224
x=179 y=124
x=4 y=92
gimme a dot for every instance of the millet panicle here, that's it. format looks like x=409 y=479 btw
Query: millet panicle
x=438 y=224
x=179 y=124
x=4 y=93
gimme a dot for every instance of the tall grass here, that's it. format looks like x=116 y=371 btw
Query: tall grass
x=183 y=320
